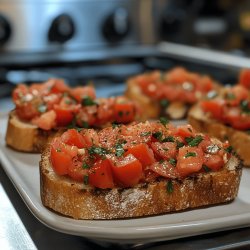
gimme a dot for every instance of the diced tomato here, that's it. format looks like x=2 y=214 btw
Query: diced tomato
x=236 y=94
x=165 y=169
x=27 y=111
x=244 y=78
x=20 y=91
x=56 y=86
x=64 y=115
x=87 y=116
x=76 y=171
x=80 y=92
x=100 y=174
x=61 y=156
x=214 y=162
x=184 y=131
x=215 y=107
x=143 y=153
x=177 y=75
x=90 y=137
x=127 y=171
x=46 y=121
x=124 y=112
x=189 y=160
x=164 y=150
x=206 y=84
x=73 y=138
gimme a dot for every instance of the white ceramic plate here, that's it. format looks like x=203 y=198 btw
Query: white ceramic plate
x=22 y=169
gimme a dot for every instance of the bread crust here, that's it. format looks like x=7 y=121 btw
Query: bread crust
x=239 y=140
x=26 y=137
x=72 y=199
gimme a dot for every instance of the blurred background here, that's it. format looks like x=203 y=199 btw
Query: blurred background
x=106 y=41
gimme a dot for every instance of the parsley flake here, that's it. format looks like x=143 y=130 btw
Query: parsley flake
x=86 y=179
x=168 y=139
x=97 y=150
x=119 y=150
x=179 y=144
x=172 y=161
x=190 y=154
x=194 y=141
x=244 y=105
x=157 y=135
x=164 y=121
x=206 y=168
x=229 y=149
x=85 y=166
x=164 y=103
x=170 y=187
x=88 y=101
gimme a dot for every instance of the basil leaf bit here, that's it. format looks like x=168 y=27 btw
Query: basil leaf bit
x=170 y=187
x=157 y=135
x=190 y=154
x=85 y=165
x=206 y=168
x=168 y=139
x=86 y=179
x=164 y=121
x=194 y=141
x=88 y=101
x=119 y=150
x=245 y=106
x=229 y=149
x=42 y=108
x=179 y=144
x=164 y=103
x=172 y=161
x=98 y=150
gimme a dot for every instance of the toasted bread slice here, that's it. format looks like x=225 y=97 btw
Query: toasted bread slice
x=26 y=137
x=73 y=199
x=239 y=140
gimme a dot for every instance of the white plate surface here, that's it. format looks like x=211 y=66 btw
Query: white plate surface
x=22 y=169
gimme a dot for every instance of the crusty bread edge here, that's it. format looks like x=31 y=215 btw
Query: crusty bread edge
x=25 y=137
x=72 y=199
x=239 y=140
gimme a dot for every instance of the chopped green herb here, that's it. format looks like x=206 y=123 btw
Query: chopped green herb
x=97 y=150
x=157 y=135
x=194 y=141
x=85 y=166
x=170 y=187
x=115 y=124
x=88 y=101
x=164 y=121
x=85 y=124
x=161 y=161
x=172 y=161
x=145 y=133
x=164 y=103
x=168 y=139
x=206 y=168
x=245 y=106
x=120 y=113
x=86 y=179
x=179 y=144
x=230 y=96
x=190 y=154
x=42 y=108
x=119 y=150
x=229 y=149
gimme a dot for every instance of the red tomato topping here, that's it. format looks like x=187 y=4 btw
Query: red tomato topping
x=164 y=150
x=215 y=107
x=73 y=138
x=101 y=175
x=244 y=78
x=127 y=171
x=124 y=112
x=214 y=162
x=189 y=160
x=165 y=169
x=46 y=121
x=80 y=92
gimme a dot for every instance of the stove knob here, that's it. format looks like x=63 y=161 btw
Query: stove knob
x=5 y=30
x=172 y=22
x=62 y=29
x=116 y=26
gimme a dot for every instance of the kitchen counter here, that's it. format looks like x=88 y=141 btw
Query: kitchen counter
x=21 y=230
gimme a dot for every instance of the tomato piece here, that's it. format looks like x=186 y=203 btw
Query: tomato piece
x=236 y=94
x=55 y=85
x=177 y=75
x=100 y=174
x=164 y=150
x=244 y=78
x=127 y=171
x=214 y=107
x=64 y=116
x=124 y=112
x=214 y=162
x=165 y=169
x=184 y=131
x=87 y=116
x=90 y=137
x=27 y=110
x=76 y=171
x=20 y=91
x=46 y=121
x=61 y=156
x=189 y=160
x=73 y=138
x=79 y=93
x=143 y=153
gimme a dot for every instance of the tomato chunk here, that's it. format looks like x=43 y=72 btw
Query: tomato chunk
x=214 y=162
x=244 y=78
x=165 y=169
x=73 y=138
x=64 y=116
x=124 y=112
x=164 y=150
x=184 y=131
x=46 y=121
x=143 y=153
x=127 y=171
x=100 y=174
x=215 y=107
x=189 y=160
x=79 y=93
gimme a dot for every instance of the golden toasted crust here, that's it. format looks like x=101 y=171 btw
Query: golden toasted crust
x=72 y=199
x=23 y=136
x=239 y=140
